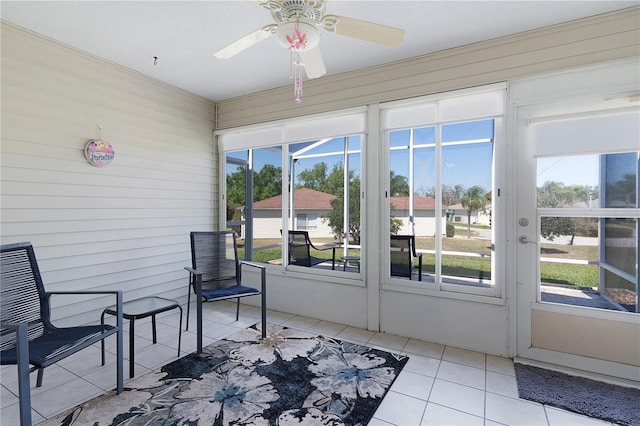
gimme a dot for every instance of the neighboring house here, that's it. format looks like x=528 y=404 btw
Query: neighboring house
x=479 y=217
x=423 y=215
x=310 y=205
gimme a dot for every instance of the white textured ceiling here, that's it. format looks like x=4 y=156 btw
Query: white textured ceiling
x=185 y=34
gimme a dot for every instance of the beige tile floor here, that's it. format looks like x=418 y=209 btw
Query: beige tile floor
x=440 y=385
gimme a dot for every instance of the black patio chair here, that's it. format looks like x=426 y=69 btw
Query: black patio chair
x=27 y=336
x=403 y=255
x=216 y=274
x=300 y=246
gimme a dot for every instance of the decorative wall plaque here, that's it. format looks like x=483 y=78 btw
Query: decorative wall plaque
x=99 y=153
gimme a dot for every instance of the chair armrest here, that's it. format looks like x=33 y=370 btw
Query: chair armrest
x=119 y=301
x=49 y=293
x=193 y=271
x=327 y=246
x=263 y=273
x=117 y=293
x=255 y=265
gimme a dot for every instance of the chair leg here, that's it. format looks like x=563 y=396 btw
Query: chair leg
x=180 y=330
x=153 y=329
x=238 y=310
x=188 y=305
x=264 y=314
x=24 y=390
x=39 y=379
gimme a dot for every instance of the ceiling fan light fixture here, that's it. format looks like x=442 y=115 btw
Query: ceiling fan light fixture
x=289 y=30
x=297 y=36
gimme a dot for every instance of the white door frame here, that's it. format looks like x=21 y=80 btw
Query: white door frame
x=569 y=92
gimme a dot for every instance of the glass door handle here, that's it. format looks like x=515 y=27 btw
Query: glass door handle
x=524 y=240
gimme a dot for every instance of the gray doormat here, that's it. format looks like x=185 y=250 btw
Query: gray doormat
x=617 y=404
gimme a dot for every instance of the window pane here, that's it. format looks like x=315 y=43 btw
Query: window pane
x=620 y=244
x=571 y=267
x=325 y=173
x=467 y=170
x=236 y=192
x=466 y=182
x=621 y=177
x=588 y=183
x=569 y=251
x=620 y=255
x=424 y=203
x=568 y=181
x=254 y=206
x=267 y=205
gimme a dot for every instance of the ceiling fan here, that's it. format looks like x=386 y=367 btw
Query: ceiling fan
x=297 y=25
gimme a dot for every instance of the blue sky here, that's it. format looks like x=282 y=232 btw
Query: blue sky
x=467 y=165
x=573 y=170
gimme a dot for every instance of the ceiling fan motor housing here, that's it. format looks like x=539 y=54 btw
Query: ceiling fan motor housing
x=291 y=10
x=304 y=15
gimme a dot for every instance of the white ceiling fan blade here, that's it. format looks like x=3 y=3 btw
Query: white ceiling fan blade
x=364 y=30
x=245 y=42
x=313 y=63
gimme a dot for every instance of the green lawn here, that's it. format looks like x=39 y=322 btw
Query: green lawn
x=473 y=267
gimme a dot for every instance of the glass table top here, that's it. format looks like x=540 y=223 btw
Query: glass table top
x=145 y=306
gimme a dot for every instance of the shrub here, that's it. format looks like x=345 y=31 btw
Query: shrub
x=451 y=230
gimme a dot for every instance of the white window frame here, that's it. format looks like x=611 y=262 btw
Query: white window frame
x=473 y=104
x=348 y=122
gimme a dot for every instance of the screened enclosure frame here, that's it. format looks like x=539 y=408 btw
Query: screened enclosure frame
x=285 y=135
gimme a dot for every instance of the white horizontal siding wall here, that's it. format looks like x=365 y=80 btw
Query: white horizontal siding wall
x=124 y=226
x=583 y=42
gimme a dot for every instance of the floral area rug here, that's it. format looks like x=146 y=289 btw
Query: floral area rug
x=290 y=378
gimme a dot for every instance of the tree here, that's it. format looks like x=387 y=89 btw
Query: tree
x=314 y=178
x=551 y=227
x=235 y=193
x=556 y=195
x=333 y=183
x=399 y=185
x=335 y=217
x=396 y=223
x=473 y=199
x=451 y=196
x=267 y=182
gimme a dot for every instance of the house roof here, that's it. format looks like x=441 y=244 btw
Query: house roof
x=316 y=200
x=305 y=199
x=459 y=206
x=419 y=203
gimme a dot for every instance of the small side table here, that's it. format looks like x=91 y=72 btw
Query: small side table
x=138 y=309
x=346 y=260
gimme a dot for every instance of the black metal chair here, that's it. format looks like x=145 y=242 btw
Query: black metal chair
x=403 y=255
x=300 y=246
x=216 y=274
x=27 y=336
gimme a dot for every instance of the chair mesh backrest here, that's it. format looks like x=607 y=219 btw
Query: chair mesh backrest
x=22 y=296
x=401 y=254
x=215 y=254
x=299 y=251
